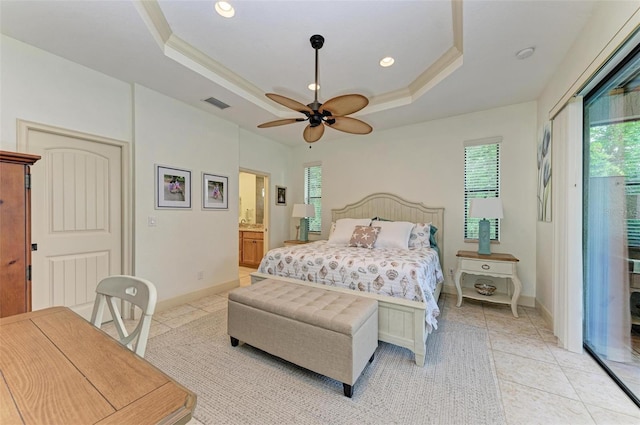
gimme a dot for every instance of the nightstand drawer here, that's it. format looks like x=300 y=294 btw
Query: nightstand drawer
x=487 y=266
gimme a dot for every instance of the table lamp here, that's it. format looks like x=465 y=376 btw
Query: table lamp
x=303 y=211
x=485 y=208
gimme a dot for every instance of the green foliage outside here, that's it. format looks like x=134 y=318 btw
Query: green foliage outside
x=313 y=195
x=614 y=150
x=481 y=180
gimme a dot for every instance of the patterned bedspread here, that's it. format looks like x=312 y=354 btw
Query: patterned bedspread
x=410 y=274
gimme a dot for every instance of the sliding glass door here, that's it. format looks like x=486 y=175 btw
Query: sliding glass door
x=612 y=224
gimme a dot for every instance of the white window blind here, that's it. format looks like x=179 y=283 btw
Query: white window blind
x=313 y=194
x=633 y=209
x=481 y=180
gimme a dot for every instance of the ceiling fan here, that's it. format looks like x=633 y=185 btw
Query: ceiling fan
x=332 y=113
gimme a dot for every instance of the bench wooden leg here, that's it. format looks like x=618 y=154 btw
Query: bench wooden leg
x=348 y=390
x=234 y=341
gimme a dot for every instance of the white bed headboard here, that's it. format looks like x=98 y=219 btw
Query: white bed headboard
x=392 y=207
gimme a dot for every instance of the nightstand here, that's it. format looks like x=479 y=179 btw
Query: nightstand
x=494 y=265
x=635 y=319
x=295 y=242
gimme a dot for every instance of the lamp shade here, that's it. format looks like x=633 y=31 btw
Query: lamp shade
x=486 y=208
x=303 y=210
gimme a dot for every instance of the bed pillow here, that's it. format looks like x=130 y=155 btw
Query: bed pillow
x=432 y=240
x=332 y=228
x=364 y=236
x=344 y=229
x=393 y=234
x=420 y=236
x=432 y=236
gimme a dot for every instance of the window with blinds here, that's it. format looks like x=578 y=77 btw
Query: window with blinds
x=313 y=194
x=481 y=180
x=632 y=189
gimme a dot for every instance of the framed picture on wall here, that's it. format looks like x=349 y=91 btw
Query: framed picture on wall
x=173 y=188
x=544 y=173
x=281 y=195
x=214 y=192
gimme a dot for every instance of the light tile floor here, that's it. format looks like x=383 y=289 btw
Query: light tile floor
x=539 y=382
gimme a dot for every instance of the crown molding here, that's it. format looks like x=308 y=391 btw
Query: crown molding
x=194 y=59
x=189 y=56
x=154 y=20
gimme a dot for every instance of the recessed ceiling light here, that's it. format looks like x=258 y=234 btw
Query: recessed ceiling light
x=225 y=9
x=386 y=62
x=312 y=86
x=525 y=53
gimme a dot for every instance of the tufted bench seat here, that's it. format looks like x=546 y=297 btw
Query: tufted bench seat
x=330 y=333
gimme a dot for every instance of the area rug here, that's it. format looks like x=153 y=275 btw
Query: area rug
x=243 y=385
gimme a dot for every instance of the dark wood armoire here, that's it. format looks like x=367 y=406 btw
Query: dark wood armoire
x=15 y=232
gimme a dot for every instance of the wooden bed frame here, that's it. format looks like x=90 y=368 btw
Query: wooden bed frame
x=400 y=322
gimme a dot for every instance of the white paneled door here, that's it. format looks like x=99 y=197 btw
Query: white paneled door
x=76 y=218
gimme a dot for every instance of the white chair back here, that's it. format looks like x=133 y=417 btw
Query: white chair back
x=137 y=291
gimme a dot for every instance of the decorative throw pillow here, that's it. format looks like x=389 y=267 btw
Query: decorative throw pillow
x=394 y=234
x=364 y=237
x=420 y=236
x=344 y=229
x=432 y=238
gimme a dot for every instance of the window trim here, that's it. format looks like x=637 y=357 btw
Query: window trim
x=495 y=223
x=305 y=193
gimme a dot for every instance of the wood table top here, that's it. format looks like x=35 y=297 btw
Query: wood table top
x=57 y=368
x=493 y=256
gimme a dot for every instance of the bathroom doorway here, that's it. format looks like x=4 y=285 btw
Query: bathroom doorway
x=253 y=217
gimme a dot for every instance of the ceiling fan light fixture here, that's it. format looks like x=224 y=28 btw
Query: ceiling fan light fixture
x=312 y=86
x=387 y=61
x=225 y=9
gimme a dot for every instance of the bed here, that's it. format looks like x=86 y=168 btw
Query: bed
x=406 y=313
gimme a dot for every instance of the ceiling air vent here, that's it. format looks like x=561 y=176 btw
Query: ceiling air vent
x=217 y=103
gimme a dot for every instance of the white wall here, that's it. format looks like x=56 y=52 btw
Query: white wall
x=425 y=163
x=605 y=24
x=41 y=87
x=183 y=243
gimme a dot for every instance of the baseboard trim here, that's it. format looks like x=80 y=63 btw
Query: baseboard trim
x=523 y=300
x=193 y=296
x=546 y=315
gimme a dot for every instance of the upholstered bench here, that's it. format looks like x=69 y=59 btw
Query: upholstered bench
x=331 y=333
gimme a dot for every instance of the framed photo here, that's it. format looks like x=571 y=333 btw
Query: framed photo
x=173 y=188
x=281 y=195
x=214 y=192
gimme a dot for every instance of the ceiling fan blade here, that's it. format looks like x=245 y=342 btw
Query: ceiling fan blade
x=344 y=105
x=280 y=122
x=289 y=103
x=350 y=125
x=313 y=134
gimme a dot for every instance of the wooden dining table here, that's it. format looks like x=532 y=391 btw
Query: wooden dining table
x=56 y=368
